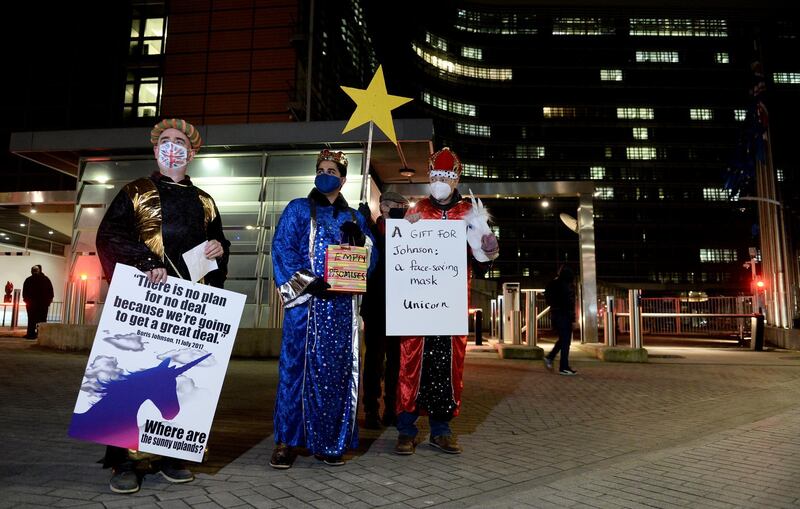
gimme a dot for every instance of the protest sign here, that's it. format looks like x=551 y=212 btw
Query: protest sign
x=426 y=278
x=346 y=268
x=157 y=365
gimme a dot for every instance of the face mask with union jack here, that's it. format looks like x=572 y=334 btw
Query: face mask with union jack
x=172 y=156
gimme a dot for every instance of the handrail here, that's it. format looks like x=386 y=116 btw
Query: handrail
x=693 y=315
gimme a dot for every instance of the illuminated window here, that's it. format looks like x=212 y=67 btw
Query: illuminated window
x=740 y=114
x=530 y=152
x=597 y=172
x=718 y=255
x=470 y=71
x=635 y=113
x=526 y=272
x=451 y=106
x=481 y=22
x=790 y=78
x=436 y=42
x=640 y=133
x=611 y=74
x=701 y=114
x=475 y=170
x=143 y=84
x=609 y=152
x=147 y=36
x=679 y=27
x=494 y=273
x=660 y=57
x=583 y=26
x=142 y=95
x=557 y=111
x=473 y=53
x=721 y=57
x=644 y=153
x=483 y=131
x=715 y=194
x=604 y=193
x=779 y=174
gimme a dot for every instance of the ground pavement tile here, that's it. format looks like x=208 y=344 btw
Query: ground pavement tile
x=519 y=423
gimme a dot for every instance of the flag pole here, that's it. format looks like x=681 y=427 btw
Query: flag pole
x=365 y=173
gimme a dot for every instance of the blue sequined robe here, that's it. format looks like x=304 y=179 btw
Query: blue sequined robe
x=318 y=389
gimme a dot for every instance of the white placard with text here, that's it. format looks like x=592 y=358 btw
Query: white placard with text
x=157 y=364
x=426 y=278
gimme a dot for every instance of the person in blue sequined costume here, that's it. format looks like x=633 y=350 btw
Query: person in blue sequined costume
x=319 y=364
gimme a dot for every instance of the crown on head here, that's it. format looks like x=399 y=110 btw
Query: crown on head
x=445 y=163
x=336 y=157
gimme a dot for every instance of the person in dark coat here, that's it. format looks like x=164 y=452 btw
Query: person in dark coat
x=378 y=346
x=560 y=296
x=37 y=292
x=149 y=225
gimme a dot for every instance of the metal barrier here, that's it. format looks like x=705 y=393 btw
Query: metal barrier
x=536 y=315
x=714 y=316
x=609 y=322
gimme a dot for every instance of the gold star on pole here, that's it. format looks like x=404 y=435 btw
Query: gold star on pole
x=374 y=104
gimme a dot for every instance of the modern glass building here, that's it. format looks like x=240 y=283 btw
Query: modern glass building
x=252 y=171
x=650 y=103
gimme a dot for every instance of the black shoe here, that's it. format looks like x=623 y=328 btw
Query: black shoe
x=32 y=338
x=568 y=372
x=282 y=457
x=371 y=421
x=405 y=446
x=124 y=479
x=446 y=443
x=175 y=471
x=331 y=461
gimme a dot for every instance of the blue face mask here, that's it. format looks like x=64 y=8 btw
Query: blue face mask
x=327 y=183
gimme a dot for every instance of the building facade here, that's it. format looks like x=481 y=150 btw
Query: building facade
x=649 y=103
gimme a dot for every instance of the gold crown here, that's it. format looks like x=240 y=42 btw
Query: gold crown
x=336 y=157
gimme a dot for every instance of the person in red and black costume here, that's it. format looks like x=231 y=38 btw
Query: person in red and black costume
x=431 y=367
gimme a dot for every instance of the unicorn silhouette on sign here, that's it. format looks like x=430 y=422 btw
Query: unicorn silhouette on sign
x=479 y=236
x=112 y=419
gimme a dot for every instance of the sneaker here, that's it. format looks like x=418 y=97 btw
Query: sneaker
x=568 y=372
x=175 y=471
x=371 y=421
x=446 y=443
x=405 y=445
x=331 y=461
x=548 y=363
x=282 y=457
x=124 y=480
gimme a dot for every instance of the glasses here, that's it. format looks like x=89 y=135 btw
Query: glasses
x=329 y=171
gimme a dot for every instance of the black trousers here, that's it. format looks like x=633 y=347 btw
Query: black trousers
x=381 y=361
x=36 y=315
x=563 y=326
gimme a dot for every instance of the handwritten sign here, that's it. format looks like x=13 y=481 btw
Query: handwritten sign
x=426 y=278
x=346 y=268
x=157 y=365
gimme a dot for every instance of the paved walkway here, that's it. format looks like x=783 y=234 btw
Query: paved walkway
x=696 y=427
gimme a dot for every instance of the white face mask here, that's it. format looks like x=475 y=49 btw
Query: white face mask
x=172 y=156
x=440 y=190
